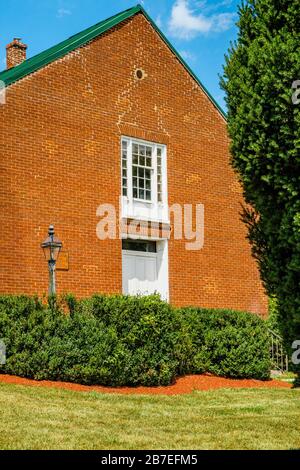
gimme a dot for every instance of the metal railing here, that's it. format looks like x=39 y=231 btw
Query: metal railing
x=279 y=358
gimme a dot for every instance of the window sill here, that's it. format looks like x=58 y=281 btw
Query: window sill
x=160 y=204
x=142 y=200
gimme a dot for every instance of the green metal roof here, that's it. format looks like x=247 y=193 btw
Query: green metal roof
x=50 y=55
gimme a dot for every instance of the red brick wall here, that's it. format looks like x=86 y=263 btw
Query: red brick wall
x=60 y=159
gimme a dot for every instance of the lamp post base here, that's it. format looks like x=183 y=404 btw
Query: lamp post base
x=52 y=281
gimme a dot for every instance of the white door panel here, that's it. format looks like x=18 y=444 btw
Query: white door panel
x=139 y=273
x=146 y=272
x=151 y=272
x=128 y=273
x=140 y=268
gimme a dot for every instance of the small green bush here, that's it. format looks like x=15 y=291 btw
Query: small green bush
x=119 y=340
x=228 y=343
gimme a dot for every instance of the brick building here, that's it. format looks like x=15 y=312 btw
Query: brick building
x=114 y=114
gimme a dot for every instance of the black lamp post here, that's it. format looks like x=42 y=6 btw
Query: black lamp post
x=51 y=246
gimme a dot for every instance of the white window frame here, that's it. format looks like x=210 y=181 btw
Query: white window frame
x=154 y=183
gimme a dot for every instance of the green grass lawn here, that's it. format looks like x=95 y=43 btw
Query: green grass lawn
x=41 y=418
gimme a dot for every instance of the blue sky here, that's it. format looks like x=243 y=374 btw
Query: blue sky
x=201 y=30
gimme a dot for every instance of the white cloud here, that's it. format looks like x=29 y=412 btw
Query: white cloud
x=224 y=21
x=215 y=6
x=158 y=21
x=185 y=23
x=61 y=12
x=187 y=55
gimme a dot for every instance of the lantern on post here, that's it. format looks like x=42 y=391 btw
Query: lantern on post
x=51 y=247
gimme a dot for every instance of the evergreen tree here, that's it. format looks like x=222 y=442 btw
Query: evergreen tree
x=264 y=127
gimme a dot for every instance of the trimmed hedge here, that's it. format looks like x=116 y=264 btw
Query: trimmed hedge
x=120 y=340
x=228 y=343
x=105 y=340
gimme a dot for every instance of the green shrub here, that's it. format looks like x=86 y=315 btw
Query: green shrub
x=151 y=346
x=106 y=340
x=228 y=343
x=119 y=340
x=273 y=317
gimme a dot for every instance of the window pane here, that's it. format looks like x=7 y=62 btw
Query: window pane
x=124 y=167
x=159 y=174
x=142 y=165
x=139 y=245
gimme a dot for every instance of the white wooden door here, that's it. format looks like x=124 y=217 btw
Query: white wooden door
x=139 y=273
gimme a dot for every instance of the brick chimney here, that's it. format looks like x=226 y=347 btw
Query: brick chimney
x=15 y=53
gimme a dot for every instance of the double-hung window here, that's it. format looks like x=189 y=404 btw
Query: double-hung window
x=143 y=171
x=142 y=168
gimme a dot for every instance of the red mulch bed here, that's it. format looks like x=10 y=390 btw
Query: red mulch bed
x=183 y=385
